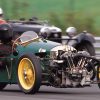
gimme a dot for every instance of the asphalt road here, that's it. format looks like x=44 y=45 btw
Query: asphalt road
x=49 y=93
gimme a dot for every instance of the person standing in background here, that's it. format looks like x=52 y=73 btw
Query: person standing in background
x=2 y=21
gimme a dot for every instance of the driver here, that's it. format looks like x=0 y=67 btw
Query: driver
x=6 y=35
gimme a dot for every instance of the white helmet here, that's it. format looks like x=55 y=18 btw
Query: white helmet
x=44 y=29
x=44 y=32
x=71 y=31
x=1 y=11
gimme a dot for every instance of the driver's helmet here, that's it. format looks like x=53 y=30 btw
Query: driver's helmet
x=6 y=33
x=44 y=32
x=71 y=31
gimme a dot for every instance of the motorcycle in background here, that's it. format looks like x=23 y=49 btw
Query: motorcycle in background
x=82 y=41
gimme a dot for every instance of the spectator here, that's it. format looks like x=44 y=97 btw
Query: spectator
x=2 y=21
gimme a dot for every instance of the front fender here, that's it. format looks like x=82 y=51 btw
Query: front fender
x=81 y=38
x=85 y=37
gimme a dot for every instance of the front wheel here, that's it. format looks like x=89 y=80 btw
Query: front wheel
x=29 y=73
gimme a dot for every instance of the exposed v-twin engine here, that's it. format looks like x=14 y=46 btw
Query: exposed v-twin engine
x=73 y=71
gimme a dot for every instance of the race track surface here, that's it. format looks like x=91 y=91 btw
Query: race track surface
x=49 y=93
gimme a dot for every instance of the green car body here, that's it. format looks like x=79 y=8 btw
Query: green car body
x=34 y=61
x=10 y=75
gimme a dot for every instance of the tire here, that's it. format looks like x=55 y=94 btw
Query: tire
x=98 y=76
x=29 y=73
x=2 y=86
x=87 y=47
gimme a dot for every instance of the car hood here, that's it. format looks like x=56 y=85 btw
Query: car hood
x=40 y=46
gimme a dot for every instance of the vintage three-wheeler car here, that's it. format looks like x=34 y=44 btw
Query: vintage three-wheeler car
x=30 y=62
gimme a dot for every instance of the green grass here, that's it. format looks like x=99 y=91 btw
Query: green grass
x=42 y=8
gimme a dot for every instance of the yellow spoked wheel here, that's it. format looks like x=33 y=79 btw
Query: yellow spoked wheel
x=98 y=75
x=26 y=73
x=29 y=74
